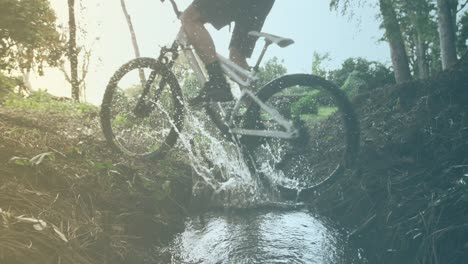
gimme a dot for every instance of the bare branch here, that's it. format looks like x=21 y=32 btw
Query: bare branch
x=62 y=69
x=462 y=6
x=133 y=37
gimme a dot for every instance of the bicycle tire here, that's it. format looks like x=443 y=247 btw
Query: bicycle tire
x=170 y=92
x=350 y=124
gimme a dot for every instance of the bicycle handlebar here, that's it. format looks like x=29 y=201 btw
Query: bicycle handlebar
x=174 y=7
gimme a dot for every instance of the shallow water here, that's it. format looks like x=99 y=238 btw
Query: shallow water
x=260 y=236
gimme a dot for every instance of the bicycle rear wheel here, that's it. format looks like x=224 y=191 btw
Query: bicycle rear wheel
x=142 y=110
x=328 y=138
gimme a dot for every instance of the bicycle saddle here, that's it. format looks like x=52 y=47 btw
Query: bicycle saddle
x=280 y=41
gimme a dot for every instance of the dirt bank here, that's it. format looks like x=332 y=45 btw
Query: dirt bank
x=65 y=198
x=408 y=200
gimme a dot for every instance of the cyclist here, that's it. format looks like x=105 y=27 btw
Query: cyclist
x=248 y=15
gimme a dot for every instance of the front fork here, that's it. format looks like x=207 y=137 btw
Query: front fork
x=145 y=106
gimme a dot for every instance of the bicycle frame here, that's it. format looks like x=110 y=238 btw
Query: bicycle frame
x=245 y=79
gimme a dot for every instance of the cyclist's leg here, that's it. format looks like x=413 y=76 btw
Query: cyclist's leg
x=238 y=57
x=219 y=14
x=198 y=36
x=250 y=16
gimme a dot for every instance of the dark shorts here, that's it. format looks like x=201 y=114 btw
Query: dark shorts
x=248 y=15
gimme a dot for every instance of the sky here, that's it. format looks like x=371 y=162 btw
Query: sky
x=313 y=26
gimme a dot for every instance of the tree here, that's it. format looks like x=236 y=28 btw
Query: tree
x=463 y=35
x=272 y=69
x=373 y=73
x=393 y=35
x=358 y=75
x=78 y=71
x=136 y=49
x=447 y=10
x=29 y=39
x=317 y=64
x=73 y=52
x=419 y=31
x=81 y=75
x=395 y=39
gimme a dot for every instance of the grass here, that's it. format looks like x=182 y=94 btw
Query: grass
x=323 y=113
x=56 y=170
x=41 y=101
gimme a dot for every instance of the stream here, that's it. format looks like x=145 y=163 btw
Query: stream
x=255 y=235
x=261 y=236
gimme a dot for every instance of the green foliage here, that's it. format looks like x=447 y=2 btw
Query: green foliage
x=358 y=75
x=28 y=35
x=273 y=68
x=345 y=6
x=323 y=113
x=186 y=77
x=317 y=64
x=462 y=40
x=323 y=98
x=104 y=166
x=305 y=105
x=41 y=101
x=7 y=85
x=190 y=85
x=354 y=84
x=417 y=22
x=133 y=91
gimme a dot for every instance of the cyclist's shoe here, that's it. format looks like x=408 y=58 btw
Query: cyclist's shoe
x=215 y=90
x=212 y=92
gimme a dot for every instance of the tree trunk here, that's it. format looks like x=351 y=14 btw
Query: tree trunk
x=397 y=46
x=72 y=51
x=421 y=57
x=26 y=74
x=134 y=40
x=417 y=13
x=447 y=37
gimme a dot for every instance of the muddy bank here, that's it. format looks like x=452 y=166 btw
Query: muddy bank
x=65 y=198
x=408 y=200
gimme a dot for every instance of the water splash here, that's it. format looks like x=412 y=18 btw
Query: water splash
x=222 y=176
x=219 y=163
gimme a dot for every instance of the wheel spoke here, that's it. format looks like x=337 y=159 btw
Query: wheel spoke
x=137 y=120
x=327 y=139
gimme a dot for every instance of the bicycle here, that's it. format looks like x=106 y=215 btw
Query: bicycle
x=261 y=123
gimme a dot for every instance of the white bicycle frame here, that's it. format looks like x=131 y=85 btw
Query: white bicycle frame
x=244 y=79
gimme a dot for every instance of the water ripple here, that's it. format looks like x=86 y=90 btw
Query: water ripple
x=259 y=236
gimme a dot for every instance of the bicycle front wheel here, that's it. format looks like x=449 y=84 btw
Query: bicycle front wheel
x=142 y=109
x=328 y=138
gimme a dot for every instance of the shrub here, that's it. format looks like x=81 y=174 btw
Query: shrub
x=354 y=84
x=7 y=85
x=305 y=105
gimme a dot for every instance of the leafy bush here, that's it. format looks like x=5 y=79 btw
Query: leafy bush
x=372 y=74
x=273 y=68
x=462 y=40
x=354 y=84
x=305 y=105
x=323 y=98
x=7 y=85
